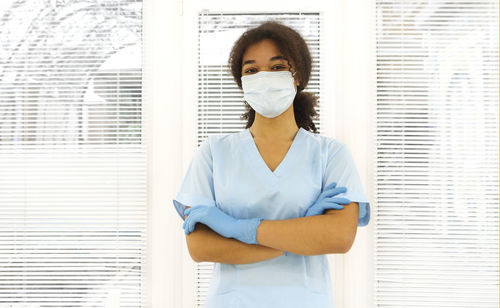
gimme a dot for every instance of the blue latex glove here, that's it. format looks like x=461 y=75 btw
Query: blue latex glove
x=326 y=201
x=244 y=230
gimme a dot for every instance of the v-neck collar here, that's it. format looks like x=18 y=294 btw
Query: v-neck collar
x=250 y=151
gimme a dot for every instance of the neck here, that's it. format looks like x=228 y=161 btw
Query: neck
x=282 y=127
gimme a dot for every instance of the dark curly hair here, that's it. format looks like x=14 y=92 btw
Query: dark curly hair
x=291 y=44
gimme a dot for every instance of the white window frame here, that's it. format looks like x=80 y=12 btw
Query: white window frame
x=169 y=95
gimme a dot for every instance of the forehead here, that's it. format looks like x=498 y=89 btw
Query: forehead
x=262 y=50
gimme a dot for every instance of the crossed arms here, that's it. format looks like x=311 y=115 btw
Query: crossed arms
x=332 y=232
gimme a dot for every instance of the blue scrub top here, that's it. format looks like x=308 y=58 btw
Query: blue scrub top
x=228 y=171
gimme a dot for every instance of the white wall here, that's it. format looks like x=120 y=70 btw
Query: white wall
x=162 y=97
x=170 y=66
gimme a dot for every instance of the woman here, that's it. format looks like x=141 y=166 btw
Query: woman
x=263 y=203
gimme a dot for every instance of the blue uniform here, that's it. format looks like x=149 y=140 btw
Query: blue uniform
x=228 y=171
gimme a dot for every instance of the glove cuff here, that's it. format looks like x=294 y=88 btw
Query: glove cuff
x=249 y=236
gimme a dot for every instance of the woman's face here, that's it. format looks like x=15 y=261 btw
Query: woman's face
x=265 y=56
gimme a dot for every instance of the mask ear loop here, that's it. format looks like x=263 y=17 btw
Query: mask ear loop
x=293 y=75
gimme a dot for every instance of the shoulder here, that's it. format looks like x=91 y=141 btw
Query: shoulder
x=223 y=138
x=326 y=145
x=222 y=142
x=214 y=147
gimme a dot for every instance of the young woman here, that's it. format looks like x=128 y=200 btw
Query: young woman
x=263 y=203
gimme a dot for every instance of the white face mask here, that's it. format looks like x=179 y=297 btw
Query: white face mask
x=269 y=93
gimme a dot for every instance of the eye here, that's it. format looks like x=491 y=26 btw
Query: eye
x=279 y=67
x=249 y=71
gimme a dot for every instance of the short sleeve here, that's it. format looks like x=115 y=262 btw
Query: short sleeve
x=197 y=187
x=340 y=168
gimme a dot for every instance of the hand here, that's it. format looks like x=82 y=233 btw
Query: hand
x=326 y=201
x=244 y=230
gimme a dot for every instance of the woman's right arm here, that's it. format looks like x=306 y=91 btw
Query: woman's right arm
x=206 y=245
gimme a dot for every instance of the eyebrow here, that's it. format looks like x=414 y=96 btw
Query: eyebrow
x=271 y=59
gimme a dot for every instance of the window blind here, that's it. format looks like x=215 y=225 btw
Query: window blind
x=72 y=154
x=437 y=154
x=220 y=102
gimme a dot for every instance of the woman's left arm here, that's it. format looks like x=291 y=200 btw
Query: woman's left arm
x=332 y=232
